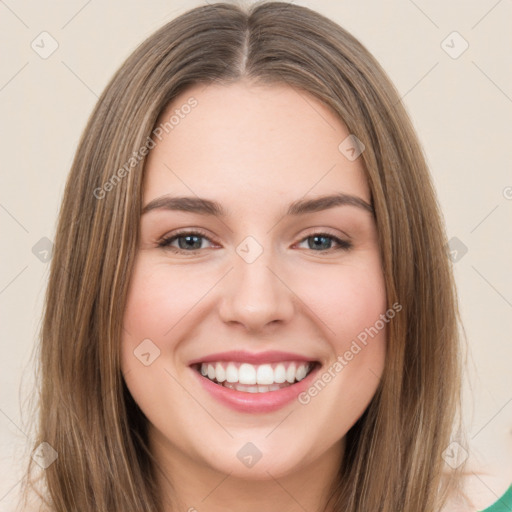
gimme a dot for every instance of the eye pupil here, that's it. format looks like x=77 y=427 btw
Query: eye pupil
x=317 y=244
x=192 y=242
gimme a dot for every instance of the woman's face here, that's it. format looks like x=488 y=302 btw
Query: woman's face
x=252 y=281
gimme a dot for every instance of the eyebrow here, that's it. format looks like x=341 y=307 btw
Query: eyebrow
x=204 y=206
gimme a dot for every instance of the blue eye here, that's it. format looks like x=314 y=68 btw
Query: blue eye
x=323 y=242
x=188 y=241
x=192 y=241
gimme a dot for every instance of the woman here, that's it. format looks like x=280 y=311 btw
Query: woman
x=250 y=303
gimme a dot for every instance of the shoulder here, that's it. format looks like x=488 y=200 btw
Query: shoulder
x=482 y=488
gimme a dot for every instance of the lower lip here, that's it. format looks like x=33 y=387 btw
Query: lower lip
x=256 y=402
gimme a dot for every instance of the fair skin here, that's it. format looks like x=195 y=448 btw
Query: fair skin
x=254 y=150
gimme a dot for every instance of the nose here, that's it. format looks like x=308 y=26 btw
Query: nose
x=255 y=294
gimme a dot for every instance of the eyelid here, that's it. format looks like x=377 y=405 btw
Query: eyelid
x=318 y=230
x=343 y=243
x=165 y=241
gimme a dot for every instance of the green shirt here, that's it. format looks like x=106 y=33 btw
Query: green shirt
x=504 y=504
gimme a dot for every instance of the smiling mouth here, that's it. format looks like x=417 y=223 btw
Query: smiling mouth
x=251 y=378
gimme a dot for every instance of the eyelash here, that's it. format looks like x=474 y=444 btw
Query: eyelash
x=165 y=242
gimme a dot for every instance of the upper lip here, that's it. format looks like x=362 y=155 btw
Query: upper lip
x=243 y=356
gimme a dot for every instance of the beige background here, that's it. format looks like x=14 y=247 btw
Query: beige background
x=461 y=107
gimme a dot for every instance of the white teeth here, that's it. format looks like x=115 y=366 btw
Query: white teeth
x=220 y=373
x=254 y=389
x=279 y=374
x=247 y=374
x=232 y=373
x=290 y=373
x=265 y=374
x=255 y=378
x=301 y=373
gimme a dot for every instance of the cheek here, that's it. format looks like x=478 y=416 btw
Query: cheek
x=350 y=300
x=160 y=296
x=156 y=301
x=346 y=298
x=161 y=300
x=150 y=312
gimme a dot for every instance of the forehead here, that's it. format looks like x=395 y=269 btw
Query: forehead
x=275 y=141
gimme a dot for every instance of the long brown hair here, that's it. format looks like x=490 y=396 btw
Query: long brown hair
x=394 y=452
